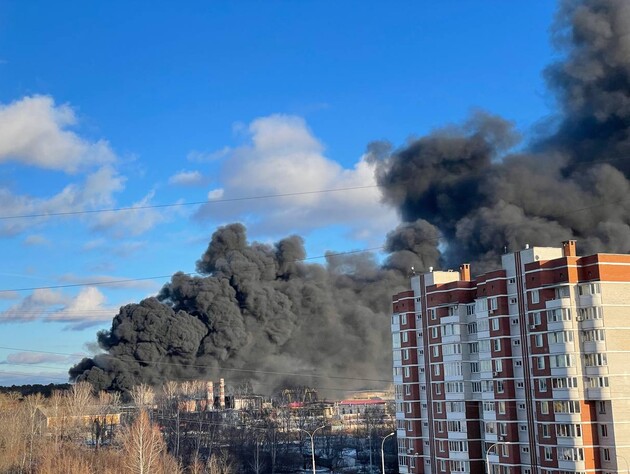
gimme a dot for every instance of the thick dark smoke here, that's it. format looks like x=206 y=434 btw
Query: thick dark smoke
x=462 y=197
x=572 y=183
x=263 y=311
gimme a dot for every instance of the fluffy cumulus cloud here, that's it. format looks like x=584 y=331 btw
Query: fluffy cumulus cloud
x=283 y=157
x=136 y=219
x=85 y=309
x=34 y=131
x=96 y=190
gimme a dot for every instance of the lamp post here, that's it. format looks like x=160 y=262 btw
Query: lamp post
x=312 y=434
x=624 y=460
x=492 y=446
x=383 y=450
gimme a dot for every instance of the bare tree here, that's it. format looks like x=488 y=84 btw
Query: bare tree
x=143 y=396
x=143 y=446
x=221 y=463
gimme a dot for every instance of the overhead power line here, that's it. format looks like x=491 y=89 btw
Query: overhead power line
x=182 y=204
x=161 y=277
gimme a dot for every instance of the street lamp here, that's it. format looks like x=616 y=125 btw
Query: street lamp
x=492 y=446
x=312 y=434
x=383 y=450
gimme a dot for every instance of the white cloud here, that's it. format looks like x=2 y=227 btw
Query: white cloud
x=34 y=358
x=140 y=218
x=97 y=191
x=187 y=178
x=112 y=282
x=84 y=310
x=215 y=194
x=34 y=131
x=204 y=157
x=35 y=240
x=284 y=157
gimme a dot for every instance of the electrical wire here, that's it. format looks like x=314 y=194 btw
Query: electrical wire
x=182 y=204
x=161 y=277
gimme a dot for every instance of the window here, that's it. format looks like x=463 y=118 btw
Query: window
x=495 y=324
x=500 y=386
x=535 y=296
x=403 y=319
x=432 y=314
x=498 y=365
x=568 y=430
x=540 y=362
x=436 y=351
x=606 y=454
x=544 y=430
x=542 y=385
x=501 y=407
x=595 y=360
x=558 y=314
x=404 y=337
x=602 y=407
x=436 y=369
x=593 y=335
x=544 y=408
x=548 y=453
x=535 y=318
x=538 y=339
x=406 y=369
x=473 y=347
x=496 y=345
x=512 y=281
x=405 y=354
x=588 y=289
x=561 y=360
x=566 y=406
x=434 y=332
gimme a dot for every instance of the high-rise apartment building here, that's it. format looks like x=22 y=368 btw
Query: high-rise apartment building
x=525 y=369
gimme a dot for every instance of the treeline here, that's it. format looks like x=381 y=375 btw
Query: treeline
x=34 y=389
x=76 y=431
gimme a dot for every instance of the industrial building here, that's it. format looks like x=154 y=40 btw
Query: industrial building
x=525 y=369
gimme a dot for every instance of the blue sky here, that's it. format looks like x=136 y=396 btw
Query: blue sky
x=119 y=104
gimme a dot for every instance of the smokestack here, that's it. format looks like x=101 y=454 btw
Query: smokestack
x=568 y=248
x=222 y=393
x=209 y=395
x=464 y=272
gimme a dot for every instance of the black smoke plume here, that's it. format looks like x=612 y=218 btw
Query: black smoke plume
x=463 y=196
x=262 y=311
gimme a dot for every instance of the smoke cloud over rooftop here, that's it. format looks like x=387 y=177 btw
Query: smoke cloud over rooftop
x=463 y=194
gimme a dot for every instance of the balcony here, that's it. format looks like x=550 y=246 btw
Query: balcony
x=564 y=302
